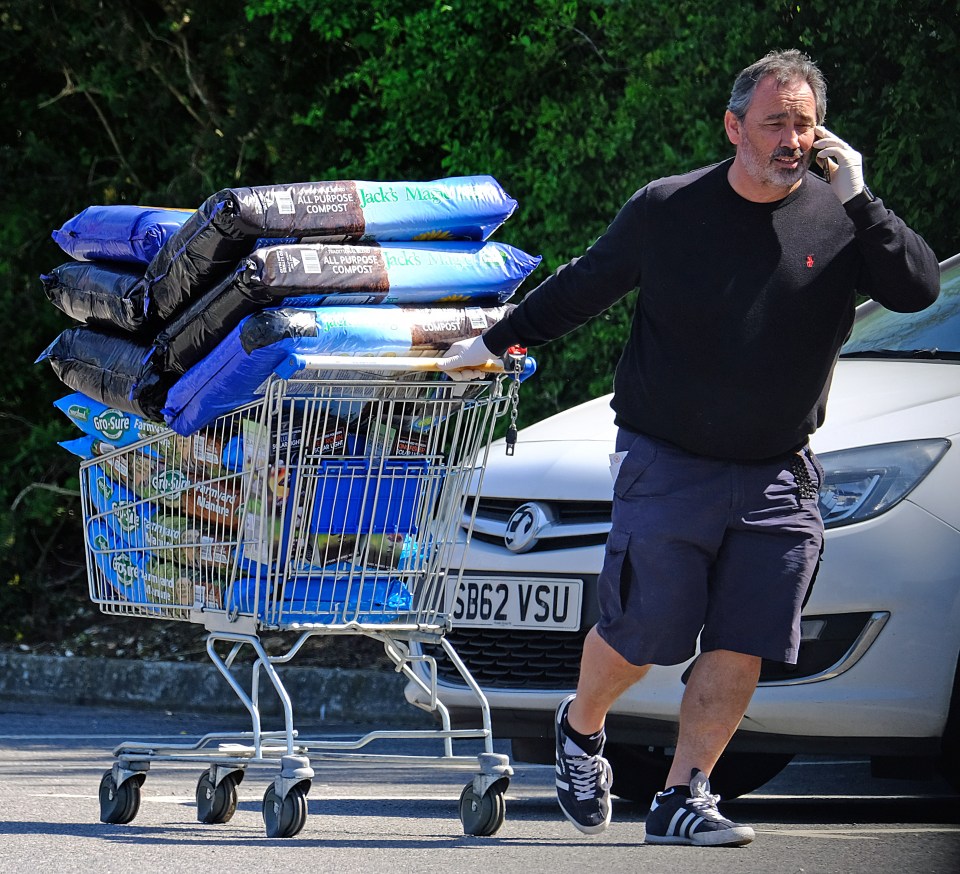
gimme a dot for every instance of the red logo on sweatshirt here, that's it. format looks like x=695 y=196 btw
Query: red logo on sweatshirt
x=809 y=261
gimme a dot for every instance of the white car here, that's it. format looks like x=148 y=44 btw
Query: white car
x=878 y=669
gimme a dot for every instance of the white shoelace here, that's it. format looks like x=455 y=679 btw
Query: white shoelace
x=705 y=804
x=587 y=775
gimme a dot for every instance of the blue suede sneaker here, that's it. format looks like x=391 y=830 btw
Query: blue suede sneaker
x=690 y=816
x=583 y=781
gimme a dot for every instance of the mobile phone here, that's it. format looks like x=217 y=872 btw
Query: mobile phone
x=823 y=162
x=824 y=165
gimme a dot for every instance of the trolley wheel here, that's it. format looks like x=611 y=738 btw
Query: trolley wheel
x=481 y=815
x=119 y=804
x=217 y=803
x=284 y=817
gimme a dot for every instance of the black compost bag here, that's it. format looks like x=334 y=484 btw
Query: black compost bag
x=99 y=295
x=235 y=221
x=109 y=369
x=275 y=325
x=204 y=251
x=202 y=324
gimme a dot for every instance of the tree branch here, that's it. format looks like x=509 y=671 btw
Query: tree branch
x=113 y=139
x=589 y=42
x=68 y=90
x=59 y=490
x=181 y=49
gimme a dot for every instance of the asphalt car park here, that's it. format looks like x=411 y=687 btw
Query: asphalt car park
x=818 y=815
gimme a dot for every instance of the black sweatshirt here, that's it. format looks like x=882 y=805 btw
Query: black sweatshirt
x=742 y=306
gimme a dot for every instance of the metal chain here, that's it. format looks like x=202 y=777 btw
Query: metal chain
x=517 y=356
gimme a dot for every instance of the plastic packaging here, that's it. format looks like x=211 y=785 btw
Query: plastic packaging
x=120 y=232
x=107 y=368
x=229 y=376
x=466 y=272
x=232 y=223
x=105 y=296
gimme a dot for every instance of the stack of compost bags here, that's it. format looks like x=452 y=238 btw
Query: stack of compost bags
x=157 y=291
x=183 y=315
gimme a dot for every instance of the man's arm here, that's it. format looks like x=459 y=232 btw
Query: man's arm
x=901 y=271
x=580 y=290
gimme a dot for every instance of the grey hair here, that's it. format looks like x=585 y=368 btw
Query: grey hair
x=786 y=67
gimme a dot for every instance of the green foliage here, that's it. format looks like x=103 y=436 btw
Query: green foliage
x=147 y=102
x=891 y=95
x=574 y=105
x=571 y=104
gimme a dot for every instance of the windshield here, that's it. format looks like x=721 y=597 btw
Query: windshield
x=934 y=330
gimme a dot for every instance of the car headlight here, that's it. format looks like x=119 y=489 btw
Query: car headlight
x=864 y=482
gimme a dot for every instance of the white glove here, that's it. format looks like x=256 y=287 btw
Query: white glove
x=842 y=164
x=464 y=355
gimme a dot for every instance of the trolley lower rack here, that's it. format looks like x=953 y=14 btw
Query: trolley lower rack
x=228 y=755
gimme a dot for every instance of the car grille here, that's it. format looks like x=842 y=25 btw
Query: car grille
x=513 y=659
x=577 y=521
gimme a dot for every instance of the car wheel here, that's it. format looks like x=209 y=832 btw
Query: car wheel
x=640 y=772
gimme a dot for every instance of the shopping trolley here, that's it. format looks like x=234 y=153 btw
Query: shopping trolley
x=331 y=505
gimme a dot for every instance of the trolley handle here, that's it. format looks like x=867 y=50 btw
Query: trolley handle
x=297 y=362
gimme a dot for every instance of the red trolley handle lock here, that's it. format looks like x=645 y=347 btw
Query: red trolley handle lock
x=514 y=359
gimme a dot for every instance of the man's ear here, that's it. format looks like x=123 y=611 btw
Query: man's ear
x=731 y=125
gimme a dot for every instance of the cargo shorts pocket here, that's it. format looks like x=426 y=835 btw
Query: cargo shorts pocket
x=613 y=584
x=640 y=456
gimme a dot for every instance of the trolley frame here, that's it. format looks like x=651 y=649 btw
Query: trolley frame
x=332 y=505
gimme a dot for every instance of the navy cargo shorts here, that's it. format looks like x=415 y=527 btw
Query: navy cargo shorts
x=723 y=550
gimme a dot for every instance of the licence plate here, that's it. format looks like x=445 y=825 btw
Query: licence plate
x=512 y=602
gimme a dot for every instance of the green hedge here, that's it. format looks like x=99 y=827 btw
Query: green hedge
x=571 y=105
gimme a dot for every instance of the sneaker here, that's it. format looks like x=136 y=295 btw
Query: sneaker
x=583 y=781
x=689 y=816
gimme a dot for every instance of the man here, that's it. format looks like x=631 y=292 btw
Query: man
x=748 y=273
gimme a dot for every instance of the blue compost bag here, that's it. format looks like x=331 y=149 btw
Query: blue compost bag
x=121 y=232
x=233 y=372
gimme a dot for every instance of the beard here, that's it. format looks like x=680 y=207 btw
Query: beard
x=768 y=169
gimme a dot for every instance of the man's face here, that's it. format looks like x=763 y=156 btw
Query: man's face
x=775 y=138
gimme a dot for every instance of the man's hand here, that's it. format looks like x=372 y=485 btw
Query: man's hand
x=464 y=355
x=842 y=164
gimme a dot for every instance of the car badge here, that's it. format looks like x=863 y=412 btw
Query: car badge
x=525 y=526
